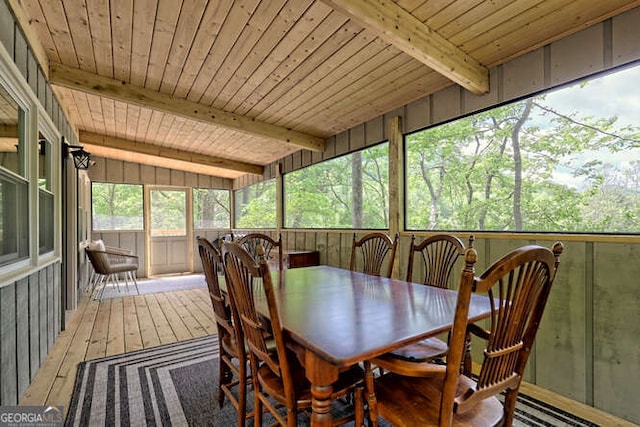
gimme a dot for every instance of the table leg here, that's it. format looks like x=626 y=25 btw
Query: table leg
x=322 y=375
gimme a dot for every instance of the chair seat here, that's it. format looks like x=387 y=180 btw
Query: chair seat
x=407 y=401
x=273 y=386
x=424 y=350
x=122 y=267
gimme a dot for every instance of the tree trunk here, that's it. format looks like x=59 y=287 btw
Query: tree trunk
x=356 y=189
x=517 y=165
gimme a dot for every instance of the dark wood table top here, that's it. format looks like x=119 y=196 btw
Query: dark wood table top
x=344 y=317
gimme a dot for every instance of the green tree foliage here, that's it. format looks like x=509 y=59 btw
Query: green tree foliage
x=117 y=206
x=256 y=205
x=497 y=171
x=350 y=191
x=168 y=213
x=211 y=208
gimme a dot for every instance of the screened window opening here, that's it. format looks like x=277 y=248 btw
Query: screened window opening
x=168 y=212
x=211 y=208
x=563 y=161
x=117 y=206
x=350 y=191
x=255 y=205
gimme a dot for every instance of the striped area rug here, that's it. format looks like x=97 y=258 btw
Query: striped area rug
x=176 y=385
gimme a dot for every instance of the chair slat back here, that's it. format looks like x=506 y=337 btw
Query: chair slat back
x=439 y=254
x=518 y=285
x=251 y=242
x=245 y=278
x=212 y=264
x=376 y=249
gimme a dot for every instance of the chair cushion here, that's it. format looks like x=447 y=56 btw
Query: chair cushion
x=96 y=245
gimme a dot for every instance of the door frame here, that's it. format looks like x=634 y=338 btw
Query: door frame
x=147 y=223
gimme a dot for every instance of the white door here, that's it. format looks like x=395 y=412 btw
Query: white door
x=169 y=231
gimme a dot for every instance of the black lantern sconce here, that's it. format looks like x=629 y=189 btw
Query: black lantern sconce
x=81 y=158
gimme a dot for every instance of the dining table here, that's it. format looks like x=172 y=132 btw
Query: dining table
x=334 y=318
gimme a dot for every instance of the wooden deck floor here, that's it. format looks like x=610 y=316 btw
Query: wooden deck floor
x=119 y=325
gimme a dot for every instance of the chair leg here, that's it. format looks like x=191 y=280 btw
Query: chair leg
x=105 y=282
x=257 y=403
x=242 y=393
x=509 y=407
x=224 y=378
x=372 y=402
x=126 y=280
x=359 y=406
x=135 y=282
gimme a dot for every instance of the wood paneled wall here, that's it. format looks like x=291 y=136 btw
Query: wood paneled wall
x=30 y=308
x=29 y=324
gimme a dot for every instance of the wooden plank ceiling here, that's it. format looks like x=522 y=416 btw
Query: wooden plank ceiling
x=234 y=85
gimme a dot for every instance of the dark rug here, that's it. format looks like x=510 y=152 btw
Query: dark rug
x=175 y=385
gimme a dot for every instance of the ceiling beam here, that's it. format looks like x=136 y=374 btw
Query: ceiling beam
x=76 y=79
x=94 y=139
x=394 y=24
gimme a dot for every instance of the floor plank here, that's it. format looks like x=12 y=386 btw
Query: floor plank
x=132 y=335
x=148 y=332
x=115 y=335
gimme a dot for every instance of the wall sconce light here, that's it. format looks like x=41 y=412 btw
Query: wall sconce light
x=81 y=158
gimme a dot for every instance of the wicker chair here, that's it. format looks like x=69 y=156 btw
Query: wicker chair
x=108 y=263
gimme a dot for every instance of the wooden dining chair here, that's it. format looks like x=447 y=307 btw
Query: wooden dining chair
x=376 y=249
x=517 y=286
x=437 y=255
x=277 y=374
x=230 y=340
x=251 y=242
